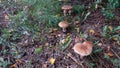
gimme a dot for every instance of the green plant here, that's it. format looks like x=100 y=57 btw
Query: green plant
x=112 y=4
x=108 y=13
x=97 y=50
x=116 y=62
x=113 y=60
x=44 y=11
x=64 y=46
x=33 y=15
x=82 y=35
x=79 y=9
x=110 y=32
x=3 y=63
x=109 y=9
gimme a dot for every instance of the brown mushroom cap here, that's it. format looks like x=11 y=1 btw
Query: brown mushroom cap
x=88 y=43
x=83 y=49
x=66 y=7
x=63 y=24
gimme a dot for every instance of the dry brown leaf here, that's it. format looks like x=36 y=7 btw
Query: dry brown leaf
x=13 y=66
x=44 y=65
x=91 y=31
x=46 y=44
x=110 y=28
x=55 y=29
x=52 y=60
x=19 y=61
x=114 y=38
x=78 y=29
x=59 y=35
x=100 y=44
x=63 y=41
x=110 y=54
x=118 y=43
x=6 y=16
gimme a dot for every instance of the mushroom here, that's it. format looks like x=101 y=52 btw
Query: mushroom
x=67 y=8
x=83 y=49
x=63 y=25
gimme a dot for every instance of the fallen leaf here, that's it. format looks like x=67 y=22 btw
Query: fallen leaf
x=97 y=34
x=13 y=66
x=100 y=44
x=63 y=41
x=57 y=15
x=11 y=30
x=46 y=44
x=44 y=65
x=78 y=29
x=110 y=54
x=55 y=29
x=59 y=35
x=91 y=31
x=52 y=60
x=118 y=43
x=6 y=16
x=110 y=28
x=19 y=61
x=115 y=38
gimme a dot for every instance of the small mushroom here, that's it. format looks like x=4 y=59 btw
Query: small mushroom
x=83 y=49
x=67 y=8
x=63 y=25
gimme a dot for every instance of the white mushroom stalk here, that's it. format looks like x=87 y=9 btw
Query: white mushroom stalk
x=67 y=9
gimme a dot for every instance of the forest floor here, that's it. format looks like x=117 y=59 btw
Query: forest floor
x=48 y=53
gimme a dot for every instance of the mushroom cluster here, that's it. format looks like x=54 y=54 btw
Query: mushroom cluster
x=83 y=49
x=67 y=9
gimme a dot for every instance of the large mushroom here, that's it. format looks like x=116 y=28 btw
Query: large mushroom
x=63 y=25
x=83 y=49
x=67 y=8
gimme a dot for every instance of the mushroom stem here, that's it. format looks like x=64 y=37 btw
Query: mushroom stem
x=64 y=36
x=70 y=11
x=65 y=12
x=81 y=57
x=64 y=29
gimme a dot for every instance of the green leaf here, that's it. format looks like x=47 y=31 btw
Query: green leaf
x=106 y=56
x=1 y=39
x=1 y=59
x=38 y=50
x=68 y=40
x=92 y=65
x=87 y=15
x=118 y=28
x=97 y=50
x=105 y=28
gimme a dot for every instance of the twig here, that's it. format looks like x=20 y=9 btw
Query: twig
x=115 y=54
x=70 y=55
